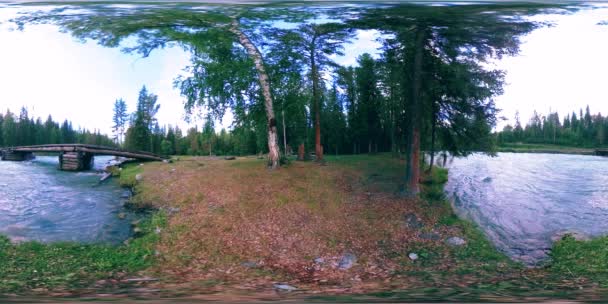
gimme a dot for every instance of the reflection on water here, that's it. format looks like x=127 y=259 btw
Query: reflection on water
x=522 y=200
x=39 y=202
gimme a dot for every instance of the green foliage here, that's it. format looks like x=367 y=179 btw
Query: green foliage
x=23 y=130
x=432 y=190
x=120 y=119
x=586 y=130
x=34 y=265
x=140 y=135
x=574 y=259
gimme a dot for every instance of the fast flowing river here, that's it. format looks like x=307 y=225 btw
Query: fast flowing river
x=522 y=200
x=39 y=202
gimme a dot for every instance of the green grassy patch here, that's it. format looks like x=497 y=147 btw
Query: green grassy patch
x=574 y=259
x=32 y=265
x=128 y=173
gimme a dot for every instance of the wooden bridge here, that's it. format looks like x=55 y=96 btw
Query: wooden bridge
x=74 y=157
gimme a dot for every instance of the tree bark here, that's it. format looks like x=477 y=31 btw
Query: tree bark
x=433 y=132
x=393 y=134
x=412 y=156
x=317 y=107
x=301 y=152
x=254 y=53
x=284 y=132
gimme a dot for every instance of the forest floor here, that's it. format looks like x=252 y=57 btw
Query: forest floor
x=234 y=230
x=544 y=148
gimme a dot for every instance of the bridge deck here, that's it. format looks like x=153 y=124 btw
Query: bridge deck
x=93 y=149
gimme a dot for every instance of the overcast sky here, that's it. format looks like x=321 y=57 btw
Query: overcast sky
x=561 y=68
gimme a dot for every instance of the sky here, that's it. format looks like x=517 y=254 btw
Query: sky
x=560 y=68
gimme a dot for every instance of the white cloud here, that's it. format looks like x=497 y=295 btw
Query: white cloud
x=561 y=68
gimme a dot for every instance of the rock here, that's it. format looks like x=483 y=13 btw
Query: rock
x=487 y=179
x=431 y=236
x=347 y=261
x=412 y=221
x=135 y=223
x=105 y=176
x=172 y=170
x=122 y=215
x=577 y=235
x=172 y=210
x=249 y=264
x=229 y=158
x=125 y=194
x=141 y=164
x=284 y=287
x=319 y=261
x=137 y=230
x=139 y=177
x=158 y=230
x=413 y=256
x=455 y=241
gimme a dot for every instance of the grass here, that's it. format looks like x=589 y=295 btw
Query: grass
x=33 y=266
x=581 y=260
x=127 y=176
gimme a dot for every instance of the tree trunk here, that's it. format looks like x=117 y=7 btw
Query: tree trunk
x=284 y=133
x=301 y=152
x=433 y=132
x=412 y=151
x=254 y=53
x=317 y=107
x=393 y=136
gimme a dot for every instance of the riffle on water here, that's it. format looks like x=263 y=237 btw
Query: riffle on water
x=39 y=202
x=522 y=201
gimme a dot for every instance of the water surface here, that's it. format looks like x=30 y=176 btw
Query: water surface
x=522 y=200
x=39 y=202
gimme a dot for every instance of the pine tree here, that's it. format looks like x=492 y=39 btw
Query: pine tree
x=120 y=119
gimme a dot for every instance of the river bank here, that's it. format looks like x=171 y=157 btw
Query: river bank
x=545 y=148
x=334 y=232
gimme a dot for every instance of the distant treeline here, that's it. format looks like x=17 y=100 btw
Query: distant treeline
x=584 y=130
x=21 y=130
x=140 y=130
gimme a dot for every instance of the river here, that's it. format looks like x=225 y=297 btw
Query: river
x=522 y=200
x=39 y=202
